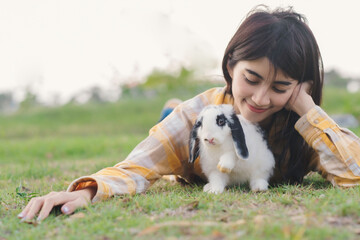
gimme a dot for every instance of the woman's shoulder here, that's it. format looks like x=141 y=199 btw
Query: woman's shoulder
x=216 y=95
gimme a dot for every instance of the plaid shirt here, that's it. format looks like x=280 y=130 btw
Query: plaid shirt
x=165 y=151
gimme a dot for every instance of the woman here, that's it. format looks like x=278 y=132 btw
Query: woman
x=274 y=76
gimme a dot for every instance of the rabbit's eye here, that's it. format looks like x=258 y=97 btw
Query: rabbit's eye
x=220 y=120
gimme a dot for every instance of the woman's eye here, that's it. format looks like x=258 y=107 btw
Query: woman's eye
x=278 y=90
x=249 y=81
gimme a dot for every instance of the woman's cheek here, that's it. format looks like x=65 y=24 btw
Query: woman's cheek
x=283 y=100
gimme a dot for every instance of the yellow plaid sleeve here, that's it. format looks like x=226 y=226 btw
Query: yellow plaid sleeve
x=338 y=148
x=163 y=152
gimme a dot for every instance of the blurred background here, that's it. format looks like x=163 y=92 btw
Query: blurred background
x=57 y=52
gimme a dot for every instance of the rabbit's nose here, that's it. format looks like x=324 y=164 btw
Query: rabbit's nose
x=210 y=140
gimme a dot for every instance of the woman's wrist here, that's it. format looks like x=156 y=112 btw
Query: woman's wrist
x=88 y=193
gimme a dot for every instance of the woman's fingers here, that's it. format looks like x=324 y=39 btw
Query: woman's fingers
x=83 y=199
x=44 y=204
x=26 y=209
x=70 y=207
x=52 y=201
x=35 y=205
x=29 y=206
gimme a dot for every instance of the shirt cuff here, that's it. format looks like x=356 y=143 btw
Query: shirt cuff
x=89 y=181
x=313 y=123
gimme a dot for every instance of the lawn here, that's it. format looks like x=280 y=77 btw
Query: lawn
x=43 y=150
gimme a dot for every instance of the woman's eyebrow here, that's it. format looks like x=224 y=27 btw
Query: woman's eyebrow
x=283 y=83
x=254 y=73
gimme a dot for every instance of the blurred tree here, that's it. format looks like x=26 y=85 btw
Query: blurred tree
x=131 y=90
x=29 y=101
x=334 y=79
x=162 y=80
x=7 y=103
x=95 y=95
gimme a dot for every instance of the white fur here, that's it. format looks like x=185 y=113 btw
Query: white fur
x=219 y=161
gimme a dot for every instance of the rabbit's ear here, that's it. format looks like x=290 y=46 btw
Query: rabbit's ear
x=194 y=142
x=238 y=137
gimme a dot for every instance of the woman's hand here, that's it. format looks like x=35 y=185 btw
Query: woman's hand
x=301 y=101
x=70 y=201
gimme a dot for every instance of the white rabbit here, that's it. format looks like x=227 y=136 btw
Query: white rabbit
x=232 y=150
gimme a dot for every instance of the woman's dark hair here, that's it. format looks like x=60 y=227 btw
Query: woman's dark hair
x=284 y=37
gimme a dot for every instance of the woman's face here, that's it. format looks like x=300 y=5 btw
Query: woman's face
x=257 y=94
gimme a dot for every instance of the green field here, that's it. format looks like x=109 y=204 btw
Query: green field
x=44 y=149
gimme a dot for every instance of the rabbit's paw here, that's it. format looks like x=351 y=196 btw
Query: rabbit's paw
x=259 y=185
x=225 y=166
x=210 y=188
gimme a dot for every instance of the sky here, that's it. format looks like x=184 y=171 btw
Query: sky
x=65 y=46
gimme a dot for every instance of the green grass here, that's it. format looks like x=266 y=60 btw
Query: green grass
x=43 y=150
x=337 y=100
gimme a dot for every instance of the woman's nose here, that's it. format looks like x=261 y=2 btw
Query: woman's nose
x=261 y=97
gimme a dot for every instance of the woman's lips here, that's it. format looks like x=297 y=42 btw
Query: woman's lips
x=256 y=110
